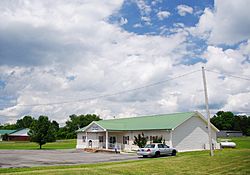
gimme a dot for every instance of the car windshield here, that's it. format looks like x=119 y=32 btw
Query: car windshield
x=150 y=146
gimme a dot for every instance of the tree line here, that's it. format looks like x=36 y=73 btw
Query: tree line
x=229 y=121
x=43 y=130
x=68 y=131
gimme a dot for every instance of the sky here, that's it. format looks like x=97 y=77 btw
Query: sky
x=122 y=58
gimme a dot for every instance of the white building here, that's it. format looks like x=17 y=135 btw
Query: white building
x=184 y=131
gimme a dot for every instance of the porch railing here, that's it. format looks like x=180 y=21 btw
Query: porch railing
x=118 y=146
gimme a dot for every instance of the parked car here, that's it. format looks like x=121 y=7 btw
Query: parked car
x=156 y=150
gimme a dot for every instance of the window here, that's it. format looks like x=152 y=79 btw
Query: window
x=100 y=139
x=166 y=146
x=126 y=140
x=112 y=139
x=83 y=138
x=150 y=146
x=160 y=146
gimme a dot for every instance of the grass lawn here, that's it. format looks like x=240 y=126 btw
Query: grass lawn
x=226 y=161
x=61 y=144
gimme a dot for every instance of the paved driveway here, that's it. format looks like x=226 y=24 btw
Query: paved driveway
x=30 y=158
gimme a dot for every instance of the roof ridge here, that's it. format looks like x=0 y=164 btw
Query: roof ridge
x=147 y=116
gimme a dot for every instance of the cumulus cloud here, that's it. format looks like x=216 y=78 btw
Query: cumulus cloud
x=123 y=21
x=53 y=41
x=184 y=9
x=65 y=53
x=163 y=14
x=145 y=11
x=227 y=24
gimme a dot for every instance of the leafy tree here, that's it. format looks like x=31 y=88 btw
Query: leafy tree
x=228 y=121
x=9 y=126
x=61 y=133
x=25 y=122
x=42 y=131
x=77 y=122
x=140 y=140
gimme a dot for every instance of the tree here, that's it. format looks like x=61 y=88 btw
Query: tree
x=25 y=122
x=140 y=140
x=77 y=122
x=9 y=126
x=223 y=120
x=42 y=131
x=228 y=121
x=61 y=133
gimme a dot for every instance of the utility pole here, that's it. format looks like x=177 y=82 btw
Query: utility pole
x=208 y=113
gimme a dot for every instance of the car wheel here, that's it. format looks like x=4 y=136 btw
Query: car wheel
x=157 y=154
x=144 y=156
x=173 y=153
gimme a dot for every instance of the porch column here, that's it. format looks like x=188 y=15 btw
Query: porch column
x=107 y=140
x=86 y=139
x=170 y=140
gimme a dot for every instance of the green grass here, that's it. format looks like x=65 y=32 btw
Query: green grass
x=226 y=161
x=61 y=144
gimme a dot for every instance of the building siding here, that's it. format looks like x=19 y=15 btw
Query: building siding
x=94 y=137
x=192 y=135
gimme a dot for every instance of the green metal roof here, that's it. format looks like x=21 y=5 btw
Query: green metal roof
x=4 y=131
x=155 y=122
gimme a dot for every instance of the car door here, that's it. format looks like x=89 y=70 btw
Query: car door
x=162 y=149
x=167 y=149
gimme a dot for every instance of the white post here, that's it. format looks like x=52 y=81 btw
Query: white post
x=86 y=140
x=107 y=140
x=208 y=113
x=171 y=138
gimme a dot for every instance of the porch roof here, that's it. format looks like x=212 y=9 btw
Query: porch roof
x=154 y=122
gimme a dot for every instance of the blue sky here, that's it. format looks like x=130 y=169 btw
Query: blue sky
x=133 y=14
x=55 y=56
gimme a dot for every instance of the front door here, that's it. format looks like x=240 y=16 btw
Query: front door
x=112 y=141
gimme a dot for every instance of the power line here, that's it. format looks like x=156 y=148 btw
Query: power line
x=112 y=94
x=230 y=75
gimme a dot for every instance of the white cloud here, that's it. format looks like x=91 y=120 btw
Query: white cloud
x=228 y=23
x=99 y=56
x=123 y=21
x=145 y=11
x=239 y=102
x=163 y=14
x=184 y=9
x=232 y=22
x=137 y=25
x=73 y=39
x=146 y=20
x=204 y=26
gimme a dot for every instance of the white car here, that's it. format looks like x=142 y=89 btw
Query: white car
x=156 y=150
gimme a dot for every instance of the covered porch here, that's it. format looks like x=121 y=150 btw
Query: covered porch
x=119 y=140
x=105 y=140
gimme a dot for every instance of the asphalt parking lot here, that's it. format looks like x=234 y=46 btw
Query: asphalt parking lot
x=31 y=158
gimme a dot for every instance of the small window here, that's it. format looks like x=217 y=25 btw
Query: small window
x=83 y=138
x=126 y=140
x=160 y=146
x=150 y=146
x=101 y=139
x=166 y=146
